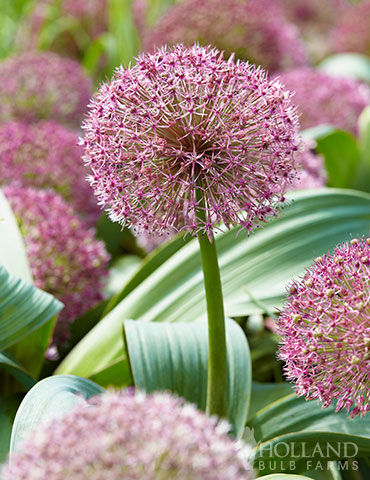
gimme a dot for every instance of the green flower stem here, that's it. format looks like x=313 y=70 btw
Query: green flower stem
x=217 y=363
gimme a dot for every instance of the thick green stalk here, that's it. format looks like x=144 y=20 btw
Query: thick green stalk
x=217 y=363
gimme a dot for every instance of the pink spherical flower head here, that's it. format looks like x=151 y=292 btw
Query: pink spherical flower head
x=41 y=85
x=185 y=131
x=352 y=31
x=47 y=155
x=131 y=436
x=65 y=258
x=325 y=329
x=322 y=98
x=255 y=30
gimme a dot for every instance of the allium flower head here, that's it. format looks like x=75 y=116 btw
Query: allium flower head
x=65 y=258
x=352 y=31
x=185 y=130
x=42 y=85
x=47 y=155
x=313 y=15
x=325 y=329
x=322 y=98
x=255 y=30
x=131 y=436
x=83 y=20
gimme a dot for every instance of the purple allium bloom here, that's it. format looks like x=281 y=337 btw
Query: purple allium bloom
x=185 y=130
x=314 y=18
x=131 y=436
x=47 y=155
x=255 y=30
x=84 y=21
x=42 y=85
x=322 y=98
x=325 y=329
x=352 y=31
x=312 y=15
x=311 y=171
x=66 y=260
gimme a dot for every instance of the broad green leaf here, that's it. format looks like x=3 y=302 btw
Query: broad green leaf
x=363 y=175
x=12 y=251
x=120 y=273
x=8 y=408
x=23 y=309
x=50 y=398
x=8 y=363
x=150 y=263
x=283 y=476
x=254 y=273
x=265 y=393
x=174 y=357
x=317 y=132
x=305 y=431
x=342 y=157
x=353 y=65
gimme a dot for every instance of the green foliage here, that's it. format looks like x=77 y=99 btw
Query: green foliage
x=254 y=274
x=294 y=421
x=352 y=65
x=174 y=357
x=51 y=398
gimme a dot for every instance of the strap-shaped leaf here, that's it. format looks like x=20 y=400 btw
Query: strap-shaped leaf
x=174 y=357
x=352 y=65
x=23 y=308
x=8 y=363
x=284 y=476
x=293 y=420
x=12 y=251
x=50 y=398
x=254 y=268
x=8 y=409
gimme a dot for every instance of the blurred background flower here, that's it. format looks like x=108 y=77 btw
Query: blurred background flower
x=41 y=85
x=254 y=30
x=130 y=435
x=47 y=155
x=65 y=258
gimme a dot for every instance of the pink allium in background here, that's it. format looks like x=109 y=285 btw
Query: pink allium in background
x=66 y=260
x=83 y=22
x=184 y=130
x=317 y=15
x=47 y=155
x=322 y=98
x=325 y=329
x=352 y=31
x=311 y=171
x=131 y=436
x=255 y=30
x=314 y=18
x=42 y=85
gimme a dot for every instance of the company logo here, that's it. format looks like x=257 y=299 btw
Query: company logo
x=280 y=456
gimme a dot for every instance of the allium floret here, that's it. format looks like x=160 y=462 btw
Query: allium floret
x=185 y=130
x=323 y=98
x=255 y=30
x=325 y=329
x=131 y=436
x=41 y=85
x=352 y=31
x=47 y=155
x=65 y=258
